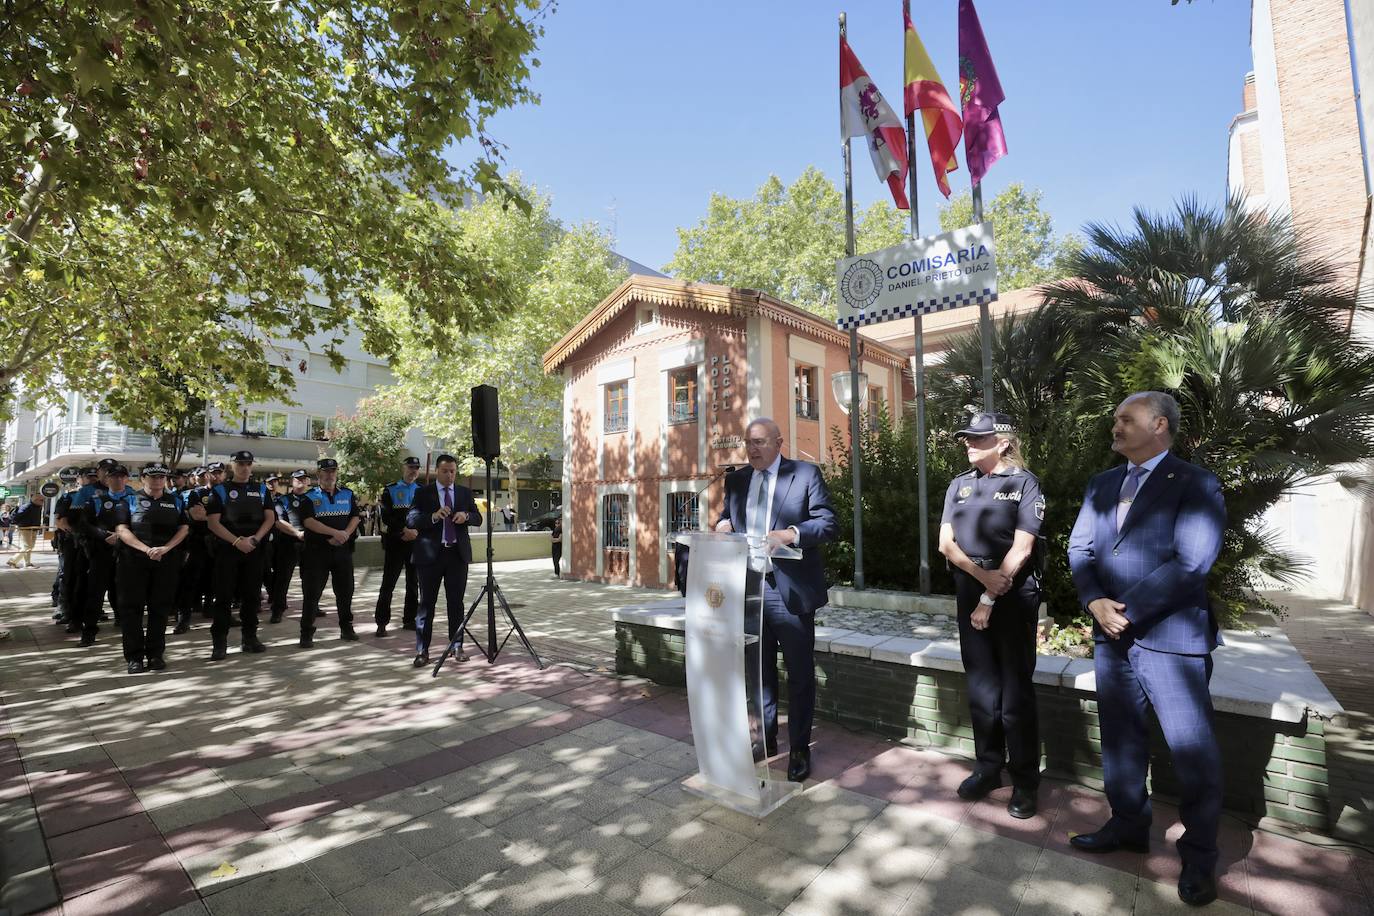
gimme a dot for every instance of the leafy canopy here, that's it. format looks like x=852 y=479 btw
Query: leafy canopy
x=368 y=444
x=1028 y=251
x=555 y=273
x=189 y=177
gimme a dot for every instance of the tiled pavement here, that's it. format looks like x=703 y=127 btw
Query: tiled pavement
x=340 y=780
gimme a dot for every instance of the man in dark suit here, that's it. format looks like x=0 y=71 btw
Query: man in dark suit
x=786 y=502
x=1140 y=552
x=441 y=515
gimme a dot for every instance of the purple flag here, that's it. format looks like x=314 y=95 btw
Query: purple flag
x=980 y=92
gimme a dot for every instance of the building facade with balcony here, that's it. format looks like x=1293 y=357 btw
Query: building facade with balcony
x=660 y=381
x=74 y=430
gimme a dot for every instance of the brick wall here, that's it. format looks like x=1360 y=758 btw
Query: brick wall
x=1270 y=768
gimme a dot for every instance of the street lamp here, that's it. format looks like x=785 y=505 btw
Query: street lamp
x=432 y=445
x=840 y=385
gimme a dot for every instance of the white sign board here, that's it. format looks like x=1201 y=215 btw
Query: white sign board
x=933 y=274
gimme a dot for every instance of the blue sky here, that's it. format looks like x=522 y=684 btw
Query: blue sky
x=648 y=106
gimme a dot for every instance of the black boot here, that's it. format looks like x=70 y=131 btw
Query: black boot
x=220 y=649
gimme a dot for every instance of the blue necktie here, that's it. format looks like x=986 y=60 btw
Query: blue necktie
x=1128 y=491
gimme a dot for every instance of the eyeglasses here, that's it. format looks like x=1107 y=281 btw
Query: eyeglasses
x=761 y=443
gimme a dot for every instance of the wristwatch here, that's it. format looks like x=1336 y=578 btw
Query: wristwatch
x=983 y=599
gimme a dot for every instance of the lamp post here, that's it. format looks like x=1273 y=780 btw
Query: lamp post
x=432 y=444
x=851 y=391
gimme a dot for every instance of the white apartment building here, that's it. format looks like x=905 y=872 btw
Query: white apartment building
x=74 y=431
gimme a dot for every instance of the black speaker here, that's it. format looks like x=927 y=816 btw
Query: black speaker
x=486 y=423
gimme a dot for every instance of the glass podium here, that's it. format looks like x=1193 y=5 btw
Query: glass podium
x=725 y=578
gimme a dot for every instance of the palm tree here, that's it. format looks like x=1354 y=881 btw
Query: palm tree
x=1232 y=312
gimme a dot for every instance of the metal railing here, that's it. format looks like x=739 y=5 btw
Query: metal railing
x=808 y=408
x=682 y=411
x=617 y=422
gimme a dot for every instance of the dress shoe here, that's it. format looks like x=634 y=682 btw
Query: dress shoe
x=183 y=626
x=420 y=661
x=348 y=635
x=87 y=640
x=770 y=745
x=381 y=629
x=136 y=666
x=1022 y=804
x=219 y=653
x=308 y=638
x=798 y=765
x=156 y=664
x=1196 y=887
x=1107 y=841
x=252 y=644
x=979 y=785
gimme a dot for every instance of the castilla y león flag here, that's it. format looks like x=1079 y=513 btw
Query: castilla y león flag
x=980 y=92
x=925 y=92
x=865 y=113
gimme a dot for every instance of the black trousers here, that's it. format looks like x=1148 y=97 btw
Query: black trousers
x=999 y=663
x=237 y=574
x=558 y=559
x=452 y=573
x=71 y=594
x=188 y=598
x=396 y=553
x=100 y=577
x=146 y=586
x=286 y=552
x=320 y=564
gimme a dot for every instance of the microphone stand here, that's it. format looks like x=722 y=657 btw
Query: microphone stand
x=681 y=552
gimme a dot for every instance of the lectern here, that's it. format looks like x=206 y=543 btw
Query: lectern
x=724 y=670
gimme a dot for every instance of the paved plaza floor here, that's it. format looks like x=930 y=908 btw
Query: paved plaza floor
x=341 y=780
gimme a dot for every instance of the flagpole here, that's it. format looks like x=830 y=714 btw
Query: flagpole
x=918 y=365
x=855 y=448
x=984 y=311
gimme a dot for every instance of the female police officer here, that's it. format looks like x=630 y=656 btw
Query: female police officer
x=987 y=533
x=151 y=526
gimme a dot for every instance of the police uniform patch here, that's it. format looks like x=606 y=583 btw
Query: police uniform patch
x=145 y=503
x=109 y=505
x=1040 y=508
x=965 y=492
x=233 y=494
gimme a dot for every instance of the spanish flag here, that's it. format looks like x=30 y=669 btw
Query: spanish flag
x=924 y=91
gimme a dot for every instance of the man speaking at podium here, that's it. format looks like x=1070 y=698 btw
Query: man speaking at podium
x=787 y=502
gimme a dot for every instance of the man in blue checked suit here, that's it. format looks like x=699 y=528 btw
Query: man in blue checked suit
x=1140 y=552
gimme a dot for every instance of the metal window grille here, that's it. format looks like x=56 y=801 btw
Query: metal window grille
x=617 y=407
x=615 y=531
x=683 y=512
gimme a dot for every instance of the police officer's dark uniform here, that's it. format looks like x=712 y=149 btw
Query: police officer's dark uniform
x=322 y=561
x=242 y=509
x=64 y=542
x=286 y=547
x=195 y=570
x=395 y=504
x=76 y=563
x=100 y=516
x=152 y=529
x=985 y=512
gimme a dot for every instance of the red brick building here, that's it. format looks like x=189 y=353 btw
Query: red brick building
x=660 y=380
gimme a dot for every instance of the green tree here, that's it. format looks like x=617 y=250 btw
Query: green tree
x=1028 y=251
x=784 y=240
x=1232 y=313
x=212 y=173
x=368 y=445
x=556 y=274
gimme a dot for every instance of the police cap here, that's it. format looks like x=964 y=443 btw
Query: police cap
x=327 y=464
x=299 y=474
x=67 y=475
x=273 y=478
x=105 y=464
x=242 y=455
x=197 y=470
x=156 y=469
x=118 y=470
x=88 y=472
x=214 y=466
x=412 y=462
x=982 y=424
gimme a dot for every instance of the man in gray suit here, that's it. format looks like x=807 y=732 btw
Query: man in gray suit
x=785 y=501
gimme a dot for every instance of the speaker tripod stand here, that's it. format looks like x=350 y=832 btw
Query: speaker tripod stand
x=493 y=595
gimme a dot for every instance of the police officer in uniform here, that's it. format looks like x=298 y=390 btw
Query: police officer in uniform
x=287 y=536
x=64 y=542
x=988 y=534
x=152 y=527
x=69 y=513
x=397 y=541
x=330 y=516
x=239 y=513
x=99 y=519
x=190 y=589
